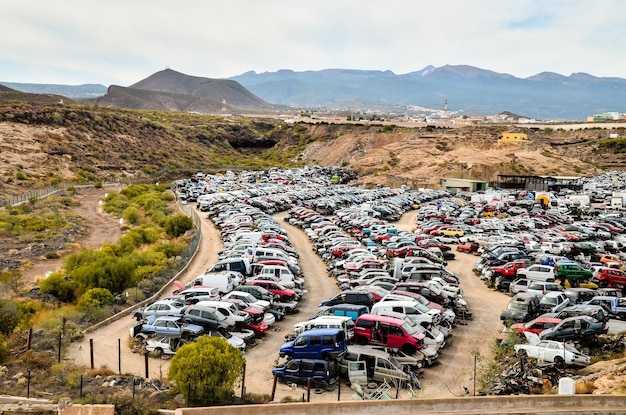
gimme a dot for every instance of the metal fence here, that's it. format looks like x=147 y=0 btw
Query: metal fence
x=37 y=194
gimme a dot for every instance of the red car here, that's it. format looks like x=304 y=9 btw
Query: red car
x=401 y=251
x=257 y=325
x=285 y=294
x=535 y=326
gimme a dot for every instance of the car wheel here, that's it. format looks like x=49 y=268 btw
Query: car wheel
x=408 y=349
x=558 y=361
x=158 y=352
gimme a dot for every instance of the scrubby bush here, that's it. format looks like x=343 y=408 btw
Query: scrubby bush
x=177 y=225
x=207 y=369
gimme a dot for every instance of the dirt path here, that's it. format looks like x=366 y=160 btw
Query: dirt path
x=444 y=380
x=455 y=370
x=105 y=339
x=100 y=227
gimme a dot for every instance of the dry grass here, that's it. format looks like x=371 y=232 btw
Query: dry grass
x=585 y=388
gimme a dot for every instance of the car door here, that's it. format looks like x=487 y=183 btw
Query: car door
x=292 y=371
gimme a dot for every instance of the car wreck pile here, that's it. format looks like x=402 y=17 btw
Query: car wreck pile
x=398 y=303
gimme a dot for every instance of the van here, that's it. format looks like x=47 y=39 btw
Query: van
x=324 y=344
x=407 y=309
x=194 y=294
x=349 y=310
x=223 y=281
x=260 y=251
x=327 y=322
x=389 y=332
x=240 y=265
x=321 y=372
x=374 y=365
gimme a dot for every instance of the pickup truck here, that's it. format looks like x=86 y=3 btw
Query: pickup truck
x=502 y=276
x=616 y=306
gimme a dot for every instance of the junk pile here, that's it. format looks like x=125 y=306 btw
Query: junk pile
x=526 y=376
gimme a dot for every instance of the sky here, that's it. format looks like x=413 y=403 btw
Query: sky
x=120 y=42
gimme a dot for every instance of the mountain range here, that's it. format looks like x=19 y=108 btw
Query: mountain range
x=467 y=89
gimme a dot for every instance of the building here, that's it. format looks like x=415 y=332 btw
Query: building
x=538 y=183
x=455 y=186
x=513 y=138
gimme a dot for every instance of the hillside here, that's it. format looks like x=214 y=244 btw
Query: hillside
x=169 y=90
x=43 y=143
x=545 y=96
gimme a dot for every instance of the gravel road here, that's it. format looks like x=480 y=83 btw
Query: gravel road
x=447 y=379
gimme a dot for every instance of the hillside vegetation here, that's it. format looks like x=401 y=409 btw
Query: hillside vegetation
x=45 y=143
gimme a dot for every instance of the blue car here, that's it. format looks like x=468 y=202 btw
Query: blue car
x=170 y=326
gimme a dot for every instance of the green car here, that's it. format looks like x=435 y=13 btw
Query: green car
x=572 y=271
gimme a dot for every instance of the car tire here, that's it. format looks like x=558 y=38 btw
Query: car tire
x=408 y=349
x=559 y=362
x=158 y=352
x=360 y=340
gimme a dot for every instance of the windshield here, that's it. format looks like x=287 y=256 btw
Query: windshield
x=516 y=307
x=421 y=308
x=410 y=327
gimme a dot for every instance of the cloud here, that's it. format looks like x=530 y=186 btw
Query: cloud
x=121 y=42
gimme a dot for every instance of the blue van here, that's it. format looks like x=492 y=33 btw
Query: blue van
x=321 y=372
x=350 y=310
x=327 y=344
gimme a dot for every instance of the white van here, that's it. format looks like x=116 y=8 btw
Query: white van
x=272 y=253
x=222 y=280
x=327 y=322
x=283 y=273
x=365 y=363
x=413 y=310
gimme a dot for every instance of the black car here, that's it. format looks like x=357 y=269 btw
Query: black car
x=299 y=371
x=351 y=297
x=522 y=308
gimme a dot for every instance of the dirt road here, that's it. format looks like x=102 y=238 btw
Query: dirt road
x=444 y=380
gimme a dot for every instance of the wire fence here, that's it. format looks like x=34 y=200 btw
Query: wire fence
x=35 y=194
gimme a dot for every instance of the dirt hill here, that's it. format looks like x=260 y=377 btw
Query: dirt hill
x=420 y=157
x=43 y=143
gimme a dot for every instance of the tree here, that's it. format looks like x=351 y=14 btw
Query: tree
x=206 y=370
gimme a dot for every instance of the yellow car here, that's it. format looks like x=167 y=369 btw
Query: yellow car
x=451 y=232
x=582 y=284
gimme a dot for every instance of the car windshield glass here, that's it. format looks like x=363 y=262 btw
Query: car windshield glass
x=516 y=307
x=410 y=327
x=570 y=348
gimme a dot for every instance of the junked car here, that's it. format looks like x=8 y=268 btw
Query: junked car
x=551 y=351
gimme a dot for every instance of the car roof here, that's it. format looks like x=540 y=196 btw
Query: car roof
x=322 y=331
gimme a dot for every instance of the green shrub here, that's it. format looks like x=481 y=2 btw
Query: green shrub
x=95 y=298
x=208 y=369
x=131 y=215
x=177 y=225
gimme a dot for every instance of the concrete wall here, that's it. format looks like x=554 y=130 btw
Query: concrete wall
x=89 y=410
x=529 y=404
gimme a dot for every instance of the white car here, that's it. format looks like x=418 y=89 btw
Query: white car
x=537 y=272
x=551 y=351
x=163 y=346
x=553 y=302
